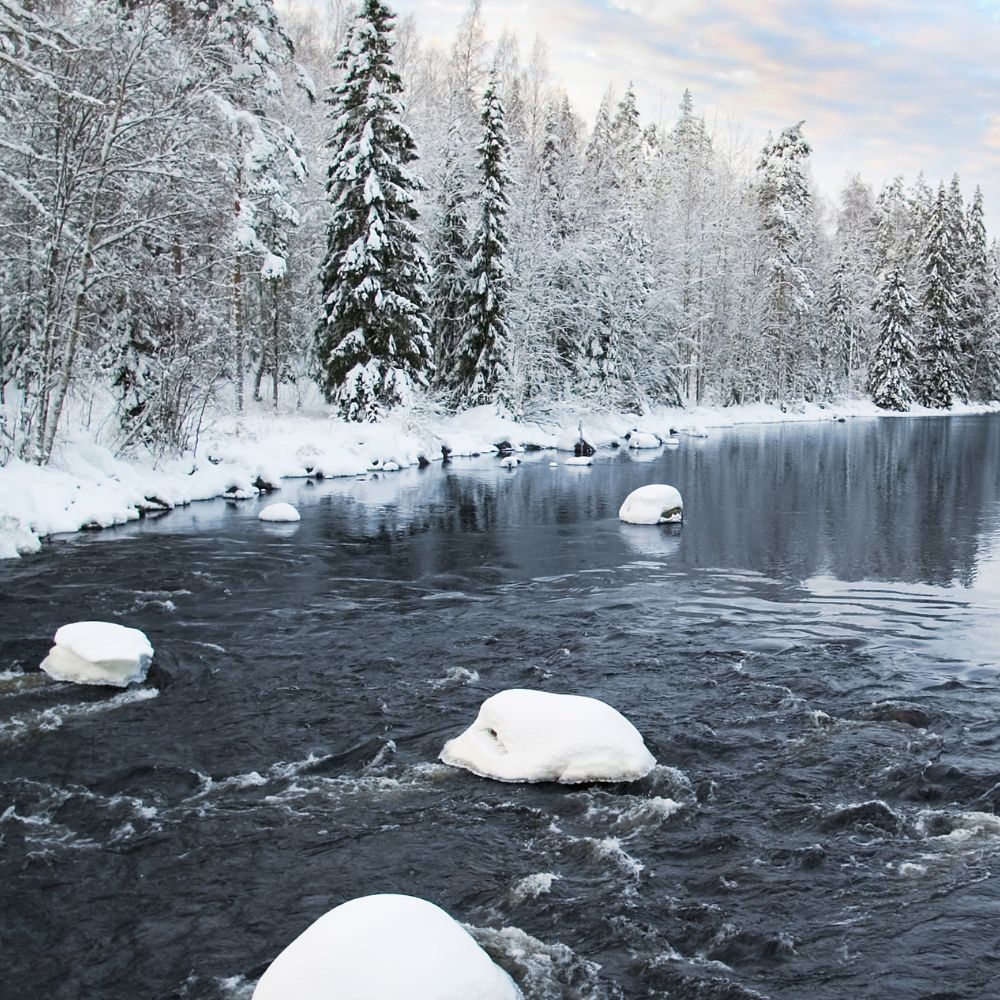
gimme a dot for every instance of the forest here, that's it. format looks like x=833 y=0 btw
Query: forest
x=211 y=202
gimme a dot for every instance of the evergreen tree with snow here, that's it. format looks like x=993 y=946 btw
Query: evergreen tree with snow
x=373 y=342
x=451 y=292
x=891 y=369
x=977 y=312
x=786 y=215
x=939 y=379
x=483 y=354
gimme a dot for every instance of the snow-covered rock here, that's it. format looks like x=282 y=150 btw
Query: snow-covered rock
x=279 y=512
x=573 y=439
x=653 y=504
x=579 y=460
x=643 y=439
x=99 y=653
x=697 y=431
x=510 y=462
x=538 y=736
x=385 y=947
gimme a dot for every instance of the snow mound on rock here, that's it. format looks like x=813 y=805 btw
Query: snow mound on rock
x=643 y=439
x=343 y=955
x=653 y=504
x=538 y=736
x=99 y=653
x=279 y=512
x=579 y=460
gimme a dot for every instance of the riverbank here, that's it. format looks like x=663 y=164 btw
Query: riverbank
x=87 y=487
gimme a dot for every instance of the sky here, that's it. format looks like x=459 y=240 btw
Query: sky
x=884 y=86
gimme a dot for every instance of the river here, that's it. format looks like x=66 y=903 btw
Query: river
x=812 y=658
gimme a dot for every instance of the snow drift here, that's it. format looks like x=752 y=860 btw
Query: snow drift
x=99 y=653
x=385 y=947
x=537 y=736
x=653 y=504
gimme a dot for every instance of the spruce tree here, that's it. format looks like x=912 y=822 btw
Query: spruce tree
x=786 y=207
x=891 y=369
x=978 y=325
x=451 y=298
x=373 y=342
x=483 y=354
x=939 y=379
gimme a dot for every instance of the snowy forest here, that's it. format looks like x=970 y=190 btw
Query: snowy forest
x=213 y=201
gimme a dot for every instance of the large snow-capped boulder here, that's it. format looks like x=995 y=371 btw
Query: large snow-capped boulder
x=99 y=653
x=656 y=503
x=538 y=736
x=572 y=439
x=385 y=947
x=279 y=512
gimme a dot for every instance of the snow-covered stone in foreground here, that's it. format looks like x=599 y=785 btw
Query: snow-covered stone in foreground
x=99 y=653
x=653 y=504
x=279 y=512
x=385 y=947
x=537 y=736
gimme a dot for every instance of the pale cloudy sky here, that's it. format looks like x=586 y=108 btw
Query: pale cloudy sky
x=885 y=86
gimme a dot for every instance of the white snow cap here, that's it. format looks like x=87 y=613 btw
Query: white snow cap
x=279 y=512
x=537 y=736
x=643 y=439
x=653 y=504
x=99 y=653
x=385 y=947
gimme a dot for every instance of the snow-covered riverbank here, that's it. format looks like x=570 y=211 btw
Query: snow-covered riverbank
x=86 y=485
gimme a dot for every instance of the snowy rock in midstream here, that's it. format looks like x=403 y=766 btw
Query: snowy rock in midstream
x=99 y=653
x=342 y=955
x=652 y=504
x=281 y=512
x=537 y=736
x=642 y=439
x=579 y=460
x=510 y=462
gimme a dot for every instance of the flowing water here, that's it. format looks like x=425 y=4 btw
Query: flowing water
x=812 y=658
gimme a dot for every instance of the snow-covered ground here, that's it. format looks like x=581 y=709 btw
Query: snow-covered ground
x=86 y=485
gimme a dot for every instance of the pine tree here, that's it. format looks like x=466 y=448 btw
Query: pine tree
x=373 y=342
x=786 y=206
x=451 y=298
x=939 y=379
x=891 y=370
x=977 y=308
x=483 y=354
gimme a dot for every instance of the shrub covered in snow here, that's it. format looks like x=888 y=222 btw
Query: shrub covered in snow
x=385 y=947
x=538 y=736
x=99 y=653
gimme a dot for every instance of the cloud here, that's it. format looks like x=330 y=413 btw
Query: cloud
x=894 y=87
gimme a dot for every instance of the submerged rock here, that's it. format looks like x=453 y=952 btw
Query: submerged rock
x=385 y=947
x=656 y=503
x=99 y=653
x=538 y=736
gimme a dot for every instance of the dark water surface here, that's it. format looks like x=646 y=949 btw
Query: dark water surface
x=812 y=659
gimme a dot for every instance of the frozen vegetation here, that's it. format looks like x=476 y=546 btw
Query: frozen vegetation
x=99 y=653
x=385 y=947
x=538 y=736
